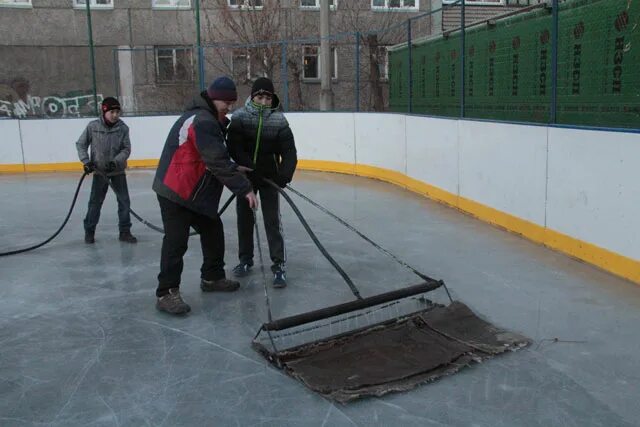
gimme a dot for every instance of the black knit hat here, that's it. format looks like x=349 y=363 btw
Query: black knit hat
x=110 y=103
x=262 y=85
x=223 y=89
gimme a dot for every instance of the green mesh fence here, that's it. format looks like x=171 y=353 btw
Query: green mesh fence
x=508 y=68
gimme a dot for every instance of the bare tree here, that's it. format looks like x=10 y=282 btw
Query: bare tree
x=253 y=27
x=255 y=32
x=377 y=31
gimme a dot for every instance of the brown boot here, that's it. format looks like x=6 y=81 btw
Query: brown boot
x=173 y=303
x=220 y=285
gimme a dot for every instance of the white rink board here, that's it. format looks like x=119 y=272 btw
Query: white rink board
x=504 y=166
x=381 y=141
x=148 y=135
x=594 y=188
x=323 y=136
x=590 y=191
x=10 y=142
x=432 y=151
x=51 y=141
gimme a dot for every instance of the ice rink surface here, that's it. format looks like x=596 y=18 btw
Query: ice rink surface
x=81 y=343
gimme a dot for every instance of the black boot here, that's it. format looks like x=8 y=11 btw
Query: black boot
x=220 y=285
x=126 y=236
x=89 y=237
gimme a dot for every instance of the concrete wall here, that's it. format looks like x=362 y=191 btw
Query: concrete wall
x=573 y=190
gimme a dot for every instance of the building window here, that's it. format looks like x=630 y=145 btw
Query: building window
x=15 y=3
x=171 y=4
x=95 y=4
x=311 y=62
x=315 y=4
x=174 y=65
x=248 y=65
x=382 y=55
x=488 y=2
x=395 y=4
x=246 y=4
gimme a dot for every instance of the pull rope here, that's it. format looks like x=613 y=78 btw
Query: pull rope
x=367 y=239
x=345 y=276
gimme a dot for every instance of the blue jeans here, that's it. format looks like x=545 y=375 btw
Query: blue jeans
x=99 y=189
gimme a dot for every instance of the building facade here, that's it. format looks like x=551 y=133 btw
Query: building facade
x=56 y=62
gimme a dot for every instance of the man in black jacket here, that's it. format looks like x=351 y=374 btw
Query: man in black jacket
x=193 y=168
x=260 y=138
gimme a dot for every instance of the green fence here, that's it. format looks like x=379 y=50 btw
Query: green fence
x=509 y=70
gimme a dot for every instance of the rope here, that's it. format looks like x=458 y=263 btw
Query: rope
x=264 y=283
x=345 y=276
x=374 y=244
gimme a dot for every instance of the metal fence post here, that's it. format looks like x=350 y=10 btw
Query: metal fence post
x=92 y=58
x=358 y=71
x=199 y=48
x=283 y=75
x=554 y=62
x=462 y=57
x=410 y=60
x=116 y=72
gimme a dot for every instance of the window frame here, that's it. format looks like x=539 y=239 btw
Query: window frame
x=317 y=6
x=478 y=2
x=172 y=6
x=248 y=72
x=403 y=8
x=175 y=63
x=24 y=4
x=93 y=4
x=245 y=5
x=334 y=74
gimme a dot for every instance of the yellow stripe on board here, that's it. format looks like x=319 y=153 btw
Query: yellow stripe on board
x=610 y=261
x=14 y=168
x=146 y=163
x=68 y=166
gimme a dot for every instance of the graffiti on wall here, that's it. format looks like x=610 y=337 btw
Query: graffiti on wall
x=16 y=102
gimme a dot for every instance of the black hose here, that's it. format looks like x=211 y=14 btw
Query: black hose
x=73 y=203
x=333 y=262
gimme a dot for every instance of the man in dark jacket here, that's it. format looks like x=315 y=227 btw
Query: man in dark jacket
x=193 y=168
x=108 y=138
x=260 y=138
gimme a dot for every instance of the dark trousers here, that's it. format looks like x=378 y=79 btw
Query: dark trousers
x=270 y=203
x=177 y=220
x=99 y=189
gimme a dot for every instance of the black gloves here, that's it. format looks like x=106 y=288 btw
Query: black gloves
x=89 y=167
x=111 y=166
x=257 y=179
x=282 y=181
